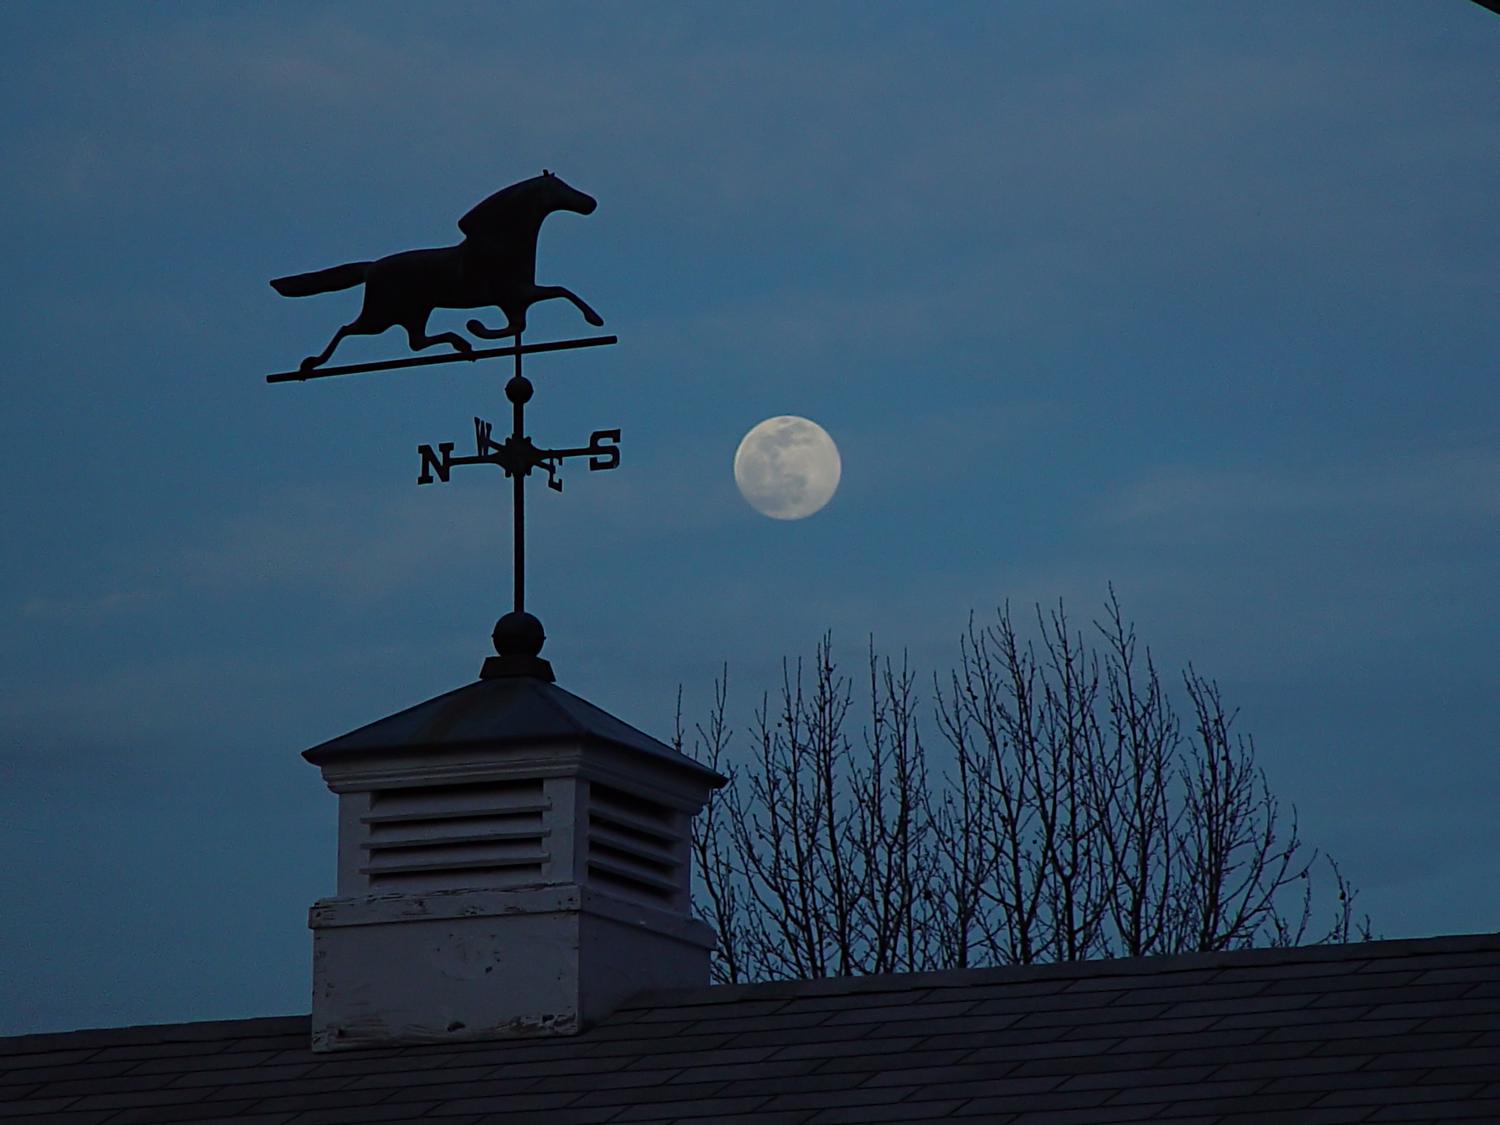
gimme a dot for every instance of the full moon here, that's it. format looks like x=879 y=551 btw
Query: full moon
x=787 y=467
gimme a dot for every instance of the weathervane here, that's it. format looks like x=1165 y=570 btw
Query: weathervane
x=495 y=265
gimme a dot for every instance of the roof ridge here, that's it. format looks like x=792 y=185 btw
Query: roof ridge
x=131 y=1034
x=1154 y=965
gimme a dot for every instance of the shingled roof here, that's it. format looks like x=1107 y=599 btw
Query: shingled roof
x=1381 y=1031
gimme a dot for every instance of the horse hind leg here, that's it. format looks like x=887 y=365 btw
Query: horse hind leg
x=350 y=329
x=369 y=322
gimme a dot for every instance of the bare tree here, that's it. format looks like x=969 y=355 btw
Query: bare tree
x=1069 y=813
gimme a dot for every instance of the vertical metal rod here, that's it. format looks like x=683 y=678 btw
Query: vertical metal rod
x=518 y=486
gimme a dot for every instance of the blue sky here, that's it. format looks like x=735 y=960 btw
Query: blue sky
x=1194 y=299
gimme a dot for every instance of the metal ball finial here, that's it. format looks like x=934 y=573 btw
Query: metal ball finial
x=519 y=390
x=518 y=634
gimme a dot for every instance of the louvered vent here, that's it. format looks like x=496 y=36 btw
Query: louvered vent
x=449 y=836
x=634 y=844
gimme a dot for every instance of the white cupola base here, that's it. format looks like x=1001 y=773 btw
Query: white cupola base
x=513 y=861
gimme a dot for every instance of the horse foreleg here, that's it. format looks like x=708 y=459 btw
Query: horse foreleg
x=514 y=326
x=418 y=339
x=416 y=335
x=547 y=292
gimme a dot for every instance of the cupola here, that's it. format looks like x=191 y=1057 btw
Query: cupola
x=512 y=861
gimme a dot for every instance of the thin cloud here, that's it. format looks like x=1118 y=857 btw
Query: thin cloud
x=1452 y=485
x=354 y=545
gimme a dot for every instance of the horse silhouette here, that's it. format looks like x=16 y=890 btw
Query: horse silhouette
x=495 y=265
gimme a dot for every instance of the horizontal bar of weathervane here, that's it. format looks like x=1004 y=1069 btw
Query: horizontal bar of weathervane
x=428 y=360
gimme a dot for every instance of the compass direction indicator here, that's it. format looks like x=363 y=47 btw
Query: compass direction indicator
x=517 y=455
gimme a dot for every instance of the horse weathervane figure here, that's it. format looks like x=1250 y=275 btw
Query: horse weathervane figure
x=495 y=265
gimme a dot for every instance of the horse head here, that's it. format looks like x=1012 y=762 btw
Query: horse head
x=562 y=196
x=524 y=204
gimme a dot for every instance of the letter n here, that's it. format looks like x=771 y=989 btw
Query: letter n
x=434 y=462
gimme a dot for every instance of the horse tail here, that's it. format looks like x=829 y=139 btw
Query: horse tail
x=346 y=276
